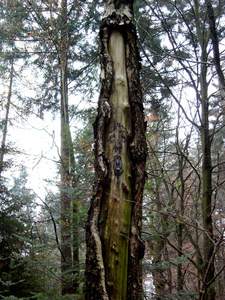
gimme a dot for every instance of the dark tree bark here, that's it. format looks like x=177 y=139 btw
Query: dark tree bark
x=113 y=234
x=208 y=269
x=215 y=44
x=6 y=121
x=181 y=207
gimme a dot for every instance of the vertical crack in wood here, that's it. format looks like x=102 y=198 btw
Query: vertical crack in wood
x=113 y=235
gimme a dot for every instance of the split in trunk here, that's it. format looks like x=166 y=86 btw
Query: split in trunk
x=113 y=235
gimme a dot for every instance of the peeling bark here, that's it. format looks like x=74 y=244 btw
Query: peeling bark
x=113 y=235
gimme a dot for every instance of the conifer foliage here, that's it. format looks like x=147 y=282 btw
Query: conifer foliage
x=133 y=206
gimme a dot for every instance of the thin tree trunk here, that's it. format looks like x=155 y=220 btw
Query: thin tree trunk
x=6 y=121
x=215 y=44
x=180 y=199
x=206 y=262
x=69 y=236
x=160 y=275
x=113 y=236
x=180 y=226
x=208 y=270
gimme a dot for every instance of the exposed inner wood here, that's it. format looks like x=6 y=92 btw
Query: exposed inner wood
x=118 y=198
x=114 y=246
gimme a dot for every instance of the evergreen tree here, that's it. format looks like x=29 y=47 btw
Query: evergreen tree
x=113 y=237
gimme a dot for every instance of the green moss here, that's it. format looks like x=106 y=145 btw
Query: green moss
x=118 y=200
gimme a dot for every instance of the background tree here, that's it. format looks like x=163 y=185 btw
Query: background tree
x=62 y=27
x=188 y=59
x=183 y=217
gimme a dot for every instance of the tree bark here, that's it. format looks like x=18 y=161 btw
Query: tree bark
x=6 y=121
x=69 y=234
x=113 y=233
x=208 y=270
x=215 y=44
x=180 y=226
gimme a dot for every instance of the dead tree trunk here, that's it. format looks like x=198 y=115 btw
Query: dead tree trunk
x=113 y=235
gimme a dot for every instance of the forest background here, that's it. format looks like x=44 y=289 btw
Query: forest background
x=49 y=70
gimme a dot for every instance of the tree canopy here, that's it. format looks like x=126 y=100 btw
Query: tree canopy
x=112 y=149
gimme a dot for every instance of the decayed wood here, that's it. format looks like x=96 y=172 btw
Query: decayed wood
x=113 y=235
